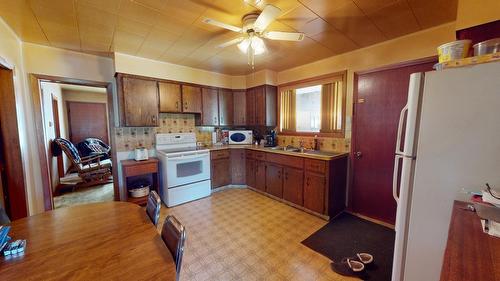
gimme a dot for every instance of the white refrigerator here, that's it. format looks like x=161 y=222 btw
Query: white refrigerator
x=448 y=142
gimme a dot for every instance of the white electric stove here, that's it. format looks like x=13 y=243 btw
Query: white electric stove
x=185 y=170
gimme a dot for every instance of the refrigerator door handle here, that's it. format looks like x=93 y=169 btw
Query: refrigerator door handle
x=395 y=178
x=400 y=129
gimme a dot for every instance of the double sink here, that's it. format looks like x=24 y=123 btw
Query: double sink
x=303 y=151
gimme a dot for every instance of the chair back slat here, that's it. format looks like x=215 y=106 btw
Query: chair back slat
x=173 y=234
x=153 y=207
x=70 y=149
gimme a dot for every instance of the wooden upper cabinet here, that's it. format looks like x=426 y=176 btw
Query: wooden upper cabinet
x=239 y=108
x=250 y=106
x=138 y=100
x=191 y=99
x=262 y=108
x=226 y=105
x=315 y=192
x=210 y=115
x=170 y=97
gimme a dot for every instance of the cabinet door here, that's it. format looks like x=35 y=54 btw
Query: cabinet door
x=220 y=173
x=226 y=107
x=170 y=97
x=191 y=99
x=271 y=105
x=260 y=175
x=140 y=102
x=238 y=166
x=274 y=180
x=314 y=192
x=240 y=110
x=210 y=114
x=260 y=106
x=293 y=186
x=250 y=105
x=250 y=172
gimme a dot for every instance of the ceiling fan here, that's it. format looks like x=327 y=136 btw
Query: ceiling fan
x=254 y=30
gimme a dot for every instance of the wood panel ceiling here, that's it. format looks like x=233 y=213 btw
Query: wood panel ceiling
x=173 y=31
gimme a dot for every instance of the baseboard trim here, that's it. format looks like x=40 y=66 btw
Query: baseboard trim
x=388 y=225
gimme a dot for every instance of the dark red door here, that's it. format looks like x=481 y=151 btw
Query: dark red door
x=380 y=97
x=87 y=120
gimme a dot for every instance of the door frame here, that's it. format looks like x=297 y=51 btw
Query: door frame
x=17 y=205
x=35 y=80
x=354 y=116
x=57 y=129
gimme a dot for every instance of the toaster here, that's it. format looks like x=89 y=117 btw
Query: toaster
x=141 y=153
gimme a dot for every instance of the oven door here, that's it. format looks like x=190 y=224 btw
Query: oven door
x=187 y=168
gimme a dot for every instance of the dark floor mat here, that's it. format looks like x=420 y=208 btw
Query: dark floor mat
x=346 y=235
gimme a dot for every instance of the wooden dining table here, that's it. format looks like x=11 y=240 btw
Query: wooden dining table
x=99 y=241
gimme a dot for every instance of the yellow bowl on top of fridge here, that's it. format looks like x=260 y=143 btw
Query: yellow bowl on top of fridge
x=454 y=50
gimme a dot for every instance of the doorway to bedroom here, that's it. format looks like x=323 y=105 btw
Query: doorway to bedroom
x=77 y=142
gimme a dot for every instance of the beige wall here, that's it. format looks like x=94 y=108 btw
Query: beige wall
x=413 y=46
x=475 y=12
x=11 y=56
x=163 y=70
x=50 y=90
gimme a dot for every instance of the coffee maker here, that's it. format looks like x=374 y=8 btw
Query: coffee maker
x=271 y=139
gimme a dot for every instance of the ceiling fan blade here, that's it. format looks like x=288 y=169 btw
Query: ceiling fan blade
x=221 y=24
x=231 y=42
x=286 y=36
x=268 y=15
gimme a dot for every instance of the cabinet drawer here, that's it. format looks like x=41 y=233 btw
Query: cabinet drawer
x=259 y=155
x=249 y=154
x=135 y=170
x=219 y=154
x=318 y=166
x=285 y=160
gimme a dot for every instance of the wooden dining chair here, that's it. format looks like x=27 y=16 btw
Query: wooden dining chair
x=173 y=234
x=153 y=207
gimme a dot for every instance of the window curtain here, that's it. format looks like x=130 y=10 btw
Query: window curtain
x=288 y=111
x=331 y=107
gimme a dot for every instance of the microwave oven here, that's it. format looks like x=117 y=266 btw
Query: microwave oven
x=240 y=137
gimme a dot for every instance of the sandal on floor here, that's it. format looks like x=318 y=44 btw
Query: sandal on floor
x=349 y=267
x=365 y=258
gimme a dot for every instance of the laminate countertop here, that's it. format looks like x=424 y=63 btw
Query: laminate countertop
x=319 y=155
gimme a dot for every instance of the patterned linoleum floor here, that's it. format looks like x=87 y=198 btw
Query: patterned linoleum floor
x=238 y=234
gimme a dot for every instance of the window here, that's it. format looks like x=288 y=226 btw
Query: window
x=316 y=106
x=308 y=109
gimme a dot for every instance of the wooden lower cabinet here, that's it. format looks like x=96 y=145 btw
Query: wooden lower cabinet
x=274 y=180
x=314 y=192
x=293 y=189
x=260 y=175
x=238 y=169
x=221 y=173
x=250 y=172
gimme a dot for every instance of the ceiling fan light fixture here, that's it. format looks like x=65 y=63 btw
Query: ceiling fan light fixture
x=254 y=42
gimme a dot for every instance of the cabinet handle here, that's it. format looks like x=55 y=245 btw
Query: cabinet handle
x=176 y=105
x=185 y=105
x=153 y=119
x=307 y=181
x=286 y=175
x=279 y=175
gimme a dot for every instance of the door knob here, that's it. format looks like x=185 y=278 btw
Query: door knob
x=358 y=154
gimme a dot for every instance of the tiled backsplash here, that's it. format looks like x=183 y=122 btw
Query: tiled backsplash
x=127 y=139
x=325 y=144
